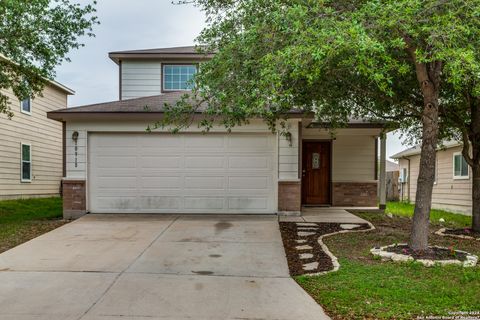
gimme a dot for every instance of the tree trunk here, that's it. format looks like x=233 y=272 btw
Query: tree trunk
x=429 y=80
x=426 y=178
x=476 y=196
x=475 y=161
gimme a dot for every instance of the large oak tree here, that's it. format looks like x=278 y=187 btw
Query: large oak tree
x=35 y=37
x=361 y=58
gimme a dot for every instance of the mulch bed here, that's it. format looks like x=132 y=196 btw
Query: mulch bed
x=289 y=231
x=466 y=232
x=433 y=253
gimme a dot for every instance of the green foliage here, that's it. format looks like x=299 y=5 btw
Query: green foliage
x=22 y=220
x=339 y=59
x=36 y=36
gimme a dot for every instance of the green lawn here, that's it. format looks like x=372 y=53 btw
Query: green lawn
x=22 y=220
x=451 y=219
x=366 y=288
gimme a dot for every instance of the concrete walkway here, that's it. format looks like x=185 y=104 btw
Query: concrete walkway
x=319 y=214
x=106 y=267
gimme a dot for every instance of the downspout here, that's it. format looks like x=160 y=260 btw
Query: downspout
x=408 y=178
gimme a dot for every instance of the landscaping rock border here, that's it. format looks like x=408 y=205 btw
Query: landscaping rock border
x=442 y=233
x=309 y=246
x=471 y=260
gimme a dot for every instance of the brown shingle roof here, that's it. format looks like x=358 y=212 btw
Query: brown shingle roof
x=143 y=104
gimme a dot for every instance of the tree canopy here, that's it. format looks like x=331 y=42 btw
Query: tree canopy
x=35 y=37
x=401 y=61
x=341 y=58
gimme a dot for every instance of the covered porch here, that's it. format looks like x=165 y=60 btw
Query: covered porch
x=340 y=169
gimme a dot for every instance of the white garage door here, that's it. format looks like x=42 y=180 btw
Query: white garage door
x=183 y=173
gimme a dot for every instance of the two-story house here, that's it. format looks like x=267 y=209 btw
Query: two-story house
x=452 y=189
x=31 y=147
x=114 y=166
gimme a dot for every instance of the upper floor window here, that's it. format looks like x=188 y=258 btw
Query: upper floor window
x=178 y=77
x=26 y=105
x=460 y=166
x=26 y=165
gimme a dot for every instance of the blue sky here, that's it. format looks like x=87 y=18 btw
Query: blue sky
x=127 y=25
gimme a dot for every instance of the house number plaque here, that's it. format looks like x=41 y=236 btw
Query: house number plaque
x=316 y=160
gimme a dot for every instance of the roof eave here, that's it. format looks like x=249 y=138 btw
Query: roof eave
x=117 y=57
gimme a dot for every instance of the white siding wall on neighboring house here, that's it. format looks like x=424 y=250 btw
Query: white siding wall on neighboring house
x=448 y=193
x=353 y=153
x=140 y=79
x=44 y=136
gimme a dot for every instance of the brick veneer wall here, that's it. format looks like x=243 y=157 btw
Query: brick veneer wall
x=289 y=196
x=355 y=194
x=74 y=199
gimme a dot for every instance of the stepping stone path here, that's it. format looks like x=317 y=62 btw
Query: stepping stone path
x=310 y=266
x=305 y=234
x=305 y=229
x=306 y=224
x=306 y=256
x=304 y=247
x=349 y=226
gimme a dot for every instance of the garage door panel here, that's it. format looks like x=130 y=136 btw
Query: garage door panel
x=248 y=203
x=185 y=173
x=160 y=182
x=250 y=142
x=109 y=141
x=205 y=182
x=249 y=183
x=204 y=203
x=160 y=162
x=114 y=202
x=250 y=162
x=204 y=162
x=160 y=202
x=202 y=141
x=118 y=182
x=151 y=142
x=109 y=162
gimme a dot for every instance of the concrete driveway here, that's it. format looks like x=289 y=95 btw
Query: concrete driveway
x=105 y=267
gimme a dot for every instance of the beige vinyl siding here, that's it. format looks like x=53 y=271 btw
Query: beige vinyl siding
x=448 y=193
x=44 y=136
x=353 y=152
x=288 y=154
x=140 y=79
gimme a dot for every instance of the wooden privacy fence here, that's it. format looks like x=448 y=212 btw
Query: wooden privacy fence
x=392 y=186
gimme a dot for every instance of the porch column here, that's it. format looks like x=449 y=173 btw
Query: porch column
x=383 y=172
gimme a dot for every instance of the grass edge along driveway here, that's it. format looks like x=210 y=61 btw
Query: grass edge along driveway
x=25 y=219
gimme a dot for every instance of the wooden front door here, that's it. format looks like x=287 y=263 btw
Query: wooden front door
x=316 y=173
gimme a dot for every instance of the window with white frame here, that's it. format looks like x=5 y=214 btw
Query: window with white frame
x=26 y=105
x=460 y=166
x=178 y=77
x=26 y=165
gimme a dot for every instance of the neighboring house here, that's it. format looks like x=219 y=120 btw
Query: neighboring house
x=119 y=168
x=392 y=166
x=453 y=182
x=31 y=145
x=392 y=169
